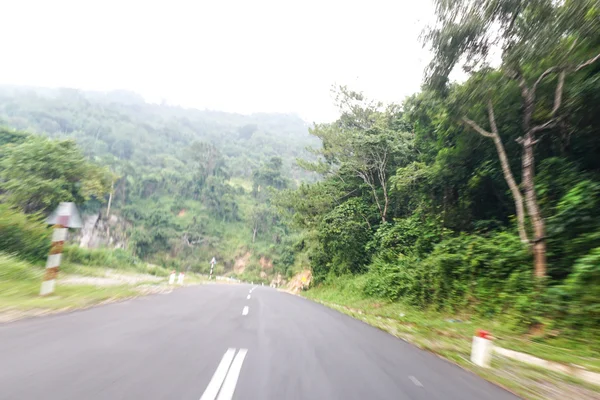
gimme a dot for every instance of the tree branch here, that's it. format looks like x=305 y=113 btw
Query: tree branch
x=522 y=84
x=542 y=76
x=508 y=175
x=477 y=128
x=492 y=118
x=588 y=62
x=547 y=125
x=558 y=93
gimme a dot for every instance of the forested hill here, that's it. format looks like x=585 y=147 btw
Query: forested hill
x=120 y=126
x=184 y=184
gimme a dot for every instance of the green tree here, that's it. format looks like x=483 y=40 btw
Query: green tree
x=364 y=143
x=38 y=174
x=538 y=39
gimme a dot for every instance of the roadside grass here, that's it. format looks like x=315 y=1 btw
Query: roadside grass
x=25 y=295
x=20 y=285
x=450 y=337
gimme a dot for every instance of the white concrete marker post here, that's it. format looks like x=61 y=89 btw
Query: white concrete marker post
x=180 y=278
x=172 y=278
x=212 y=266
x=481 y=352
x=64 y=217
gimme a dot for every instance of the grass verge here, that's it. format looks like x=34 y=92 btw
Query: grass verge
x=78 y=286
x=450 y=337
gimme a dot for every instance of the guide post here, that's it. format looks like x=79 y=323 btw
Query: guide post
x=212 y=266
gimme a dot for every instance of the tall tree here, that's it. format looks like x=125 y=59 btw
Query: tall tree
x=537 y=39
x=39 y=173
x=364 y=143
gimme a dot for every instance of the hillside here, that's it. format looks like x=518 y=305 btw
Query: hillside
x=186 y=184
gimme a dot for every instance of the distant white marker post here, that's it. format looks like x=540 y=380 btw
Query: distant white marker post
x=212 y=266
x=64 y=217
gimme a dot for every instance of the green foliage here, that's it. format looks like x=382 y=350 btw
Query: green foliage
x=429 y=215
x=583 y=289
x=109 y=258
x=344 y=234
x=412 y=236
x=26 y=235
x=448 y=240
x=37 y=174
x=391 y=281
x=182 y=178
x=10 y=136
x=99 y=257
x=574 y=229
x=14 y=269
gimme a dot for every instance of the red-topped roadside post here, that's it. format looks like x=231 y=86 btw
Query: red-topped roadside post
x=481 y=352
x=64 y=217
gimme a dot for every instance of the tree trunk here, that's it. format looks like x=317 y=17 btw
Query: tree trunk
x=533 y=209
x=110 y=196
x=506 y=171
x=254 y=234
x=538 y=244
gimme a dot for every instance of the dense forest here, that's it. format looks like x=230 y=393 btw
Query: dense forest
x=180 y=185
x=480 y=196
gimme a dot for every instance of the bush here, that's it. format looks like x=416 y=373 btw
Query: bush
x=390 y=281
x=112 y=258
x=583 y=289
x=470 y=269
x=13 y=269
x=492 y=272
x=25 y=235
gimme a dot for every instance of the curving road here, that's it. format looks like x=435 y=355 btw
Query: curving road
x=220 y=342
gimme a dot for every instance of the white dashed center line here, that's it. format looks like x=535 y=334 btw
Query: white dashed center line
x=225 y=378
x=217 y=380
x=232 y=376
x=245 y=310
x=415 y=381
x=248 y=297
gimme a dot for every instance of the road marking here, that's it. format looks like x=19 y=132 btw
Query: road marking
x=245 y=310
x=248 y=297
x=217 y=380
x=415 y=381
x=232 y=376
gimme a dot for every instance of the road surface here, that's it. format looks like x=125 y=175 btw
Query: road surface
x=220 y=342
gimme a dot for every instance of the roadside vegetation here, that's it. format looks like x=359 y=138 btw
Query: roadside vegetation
x=449 y=335
x=474 y=201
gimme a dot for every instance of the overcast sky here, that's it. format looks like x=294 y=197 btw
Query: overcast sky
x=242 y=56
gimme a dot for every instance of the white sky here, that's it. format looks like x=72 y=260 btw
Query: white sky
x=231 y=55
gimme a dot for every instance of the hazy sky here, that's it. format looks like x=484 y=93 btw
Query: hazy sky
x=243 y=56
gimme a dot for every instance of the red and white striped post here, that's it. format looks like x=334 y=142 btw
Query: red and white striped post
x=65 y=217
x=59 y=235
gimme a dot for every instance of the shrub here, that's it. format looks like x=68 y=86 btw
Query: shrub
x=25 y=235
x=13 y=269
x=113 y=258
x=390 y=281
x=583 y=289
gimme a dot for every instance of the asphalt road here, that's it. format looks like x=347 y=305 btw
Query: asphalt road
x=196 y=343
